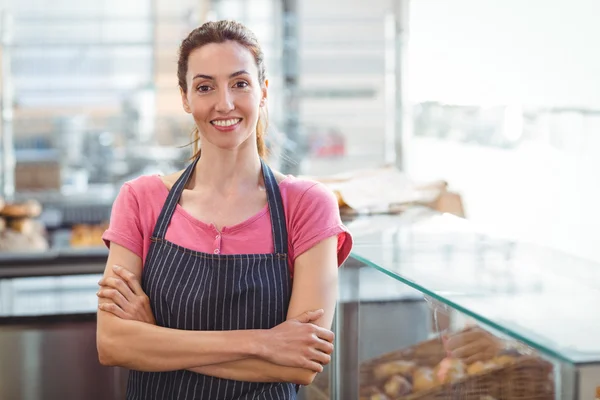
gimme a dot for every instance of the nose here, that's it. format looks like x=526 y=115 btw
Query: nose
x=224 y=101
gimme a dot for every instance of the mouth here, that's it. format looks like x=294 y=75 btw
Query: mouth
x=226 y=123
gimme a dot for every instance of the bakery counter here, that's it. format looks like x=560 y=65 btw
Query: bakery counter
x=423 y=288
x=48 y=299
x=48 y=310
x=48 y=340
x=54 y=262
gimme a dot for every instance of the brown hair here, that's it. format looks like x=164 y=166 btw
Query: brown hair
x=219 y=32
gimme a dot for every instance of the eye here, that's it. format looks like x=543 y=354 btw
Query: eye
x=203 y=88
x=241 y=84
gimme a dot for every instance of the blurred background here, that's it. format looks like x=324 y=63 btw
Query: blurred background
x=499 y=98
x=495 y=104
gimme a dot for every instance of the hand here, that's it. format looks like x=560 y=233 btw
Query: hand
x=299 y=343
x=473 y=344
x=128 y=300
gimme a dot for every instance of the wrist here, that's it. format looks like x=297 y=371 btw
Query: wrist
x=256 y=346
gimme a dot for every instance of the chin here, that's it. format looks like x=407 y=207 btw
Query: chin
x=228 y=140
x=228 y=145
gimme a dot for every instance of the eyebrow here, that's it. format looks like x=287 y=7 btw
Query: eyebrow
x=242 y=72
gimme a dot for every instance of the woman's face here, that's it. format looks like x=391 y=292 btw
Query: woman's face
x=224 y=95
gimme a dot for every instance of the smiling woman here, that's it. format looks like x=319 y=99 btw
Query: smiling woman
x=221 y=280
x=205 y=86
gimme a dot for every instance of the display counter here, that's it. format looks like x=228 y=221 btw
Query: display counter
x=61 y=261
x=416 y=280
x=48 y=311
x=411 y=280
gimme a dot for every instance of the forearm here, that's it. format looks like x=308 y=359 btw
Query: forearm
x=145 y=347
x=257 y=370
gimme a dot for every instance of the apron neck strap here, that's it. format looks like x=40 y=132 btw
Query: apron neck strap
x=274 y=201
x=160 y=229
x=276 y=210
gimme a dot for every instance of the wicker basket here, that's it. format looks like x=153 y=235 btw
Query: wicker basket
x=528 y=378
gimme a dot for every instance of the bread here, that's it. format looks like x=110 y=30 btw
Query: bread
x=385 y=371
x=397 y=386
x=476 y=368
x=503 y=360
x=25 y=226
x=12 y=241
x=450 y=370
x=423 y=379
x=87 y=235
x=379 y=396
x=28 y=209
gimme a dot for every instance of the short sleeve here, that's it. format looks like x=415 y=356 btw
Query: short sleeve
x=317 y=217
x=125 y=228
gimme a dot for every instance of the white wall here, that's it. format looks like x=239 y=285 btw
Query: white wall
x=514 y=52
x=540 y=52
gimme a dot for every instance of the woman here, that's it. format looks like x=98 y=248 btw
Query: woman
x=209 y=253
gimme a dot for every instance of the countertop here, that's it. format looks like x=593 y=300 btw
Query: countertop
x=47 y=299
x=545 y=298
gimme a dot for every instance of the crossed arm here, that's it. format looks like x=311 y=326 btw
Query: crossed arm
x=291 y=352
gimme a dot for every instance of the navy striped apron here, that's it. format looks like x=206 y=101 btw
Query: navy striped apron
x=213 y=292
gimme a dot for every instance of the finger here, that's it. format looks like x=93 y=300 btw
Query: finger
x=119 y=284
x=321 y=357
x=309 y=316
x=115 y=296
x=129 y=278
x=113 y=309
x=324 y=334
x=313 y=366
x=324 y=346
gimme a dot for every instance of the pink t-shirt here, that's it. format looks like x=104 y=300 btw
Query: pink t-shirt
x=311 y=211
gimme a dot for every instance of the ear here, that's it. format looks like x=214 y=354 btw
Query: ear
x=263 y=100
x=184 y=101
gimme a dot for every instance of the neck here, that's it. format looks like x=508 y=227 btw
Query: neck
x=228 y=172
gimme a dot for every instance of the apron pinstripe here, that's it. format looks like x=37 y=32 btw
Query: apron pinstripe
x=200 y=291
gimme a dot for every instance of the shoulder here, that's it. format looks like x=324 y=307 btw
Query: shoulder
x=144 y=190
x=149 y=184
x=306 y=191
x=169 y=181
x=313 y=215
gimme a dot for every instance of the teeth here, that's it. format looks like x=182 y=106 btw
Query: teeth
x=226 y=122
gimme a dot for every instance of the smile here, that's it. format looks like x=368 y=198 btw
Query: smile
x=226 y=122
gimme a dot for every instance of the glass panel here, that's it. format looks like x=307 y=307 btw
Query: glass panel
x=405 y=344
x=39 y=296
x=509 y=286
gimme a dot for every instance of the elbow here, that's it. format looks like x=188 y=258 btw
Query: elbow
x=106 y=351
x=304 y=377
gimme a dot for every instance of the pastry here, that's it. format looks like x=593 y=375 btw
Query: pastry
x=371 y=393
x=423 y=379
x=30 y=208
x=503 y=360
x=397 y=386
x=449 y=370
x=476 y=368
x=385 y=371
x=379 y=396
x=25 y=226
x=368 y=391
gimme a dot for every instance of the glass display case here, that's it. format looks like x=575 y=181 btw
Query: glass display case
x=422 y=284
